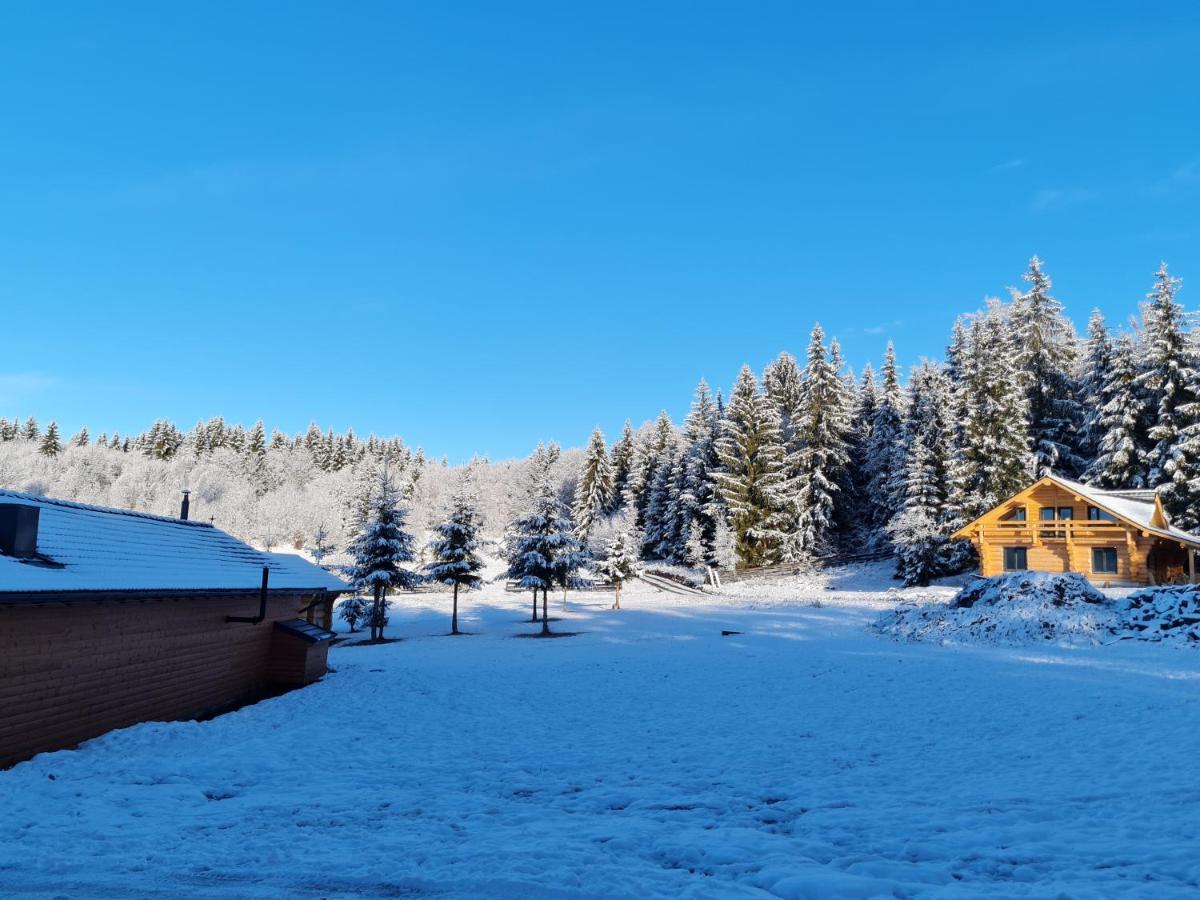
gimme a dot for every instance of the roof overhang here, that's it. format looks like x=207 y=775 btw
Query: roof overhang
x=23 y=597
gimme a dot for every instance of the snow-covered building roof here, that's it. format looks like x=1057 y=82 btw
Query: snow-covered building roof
x=1141 y=508
x=82 y=548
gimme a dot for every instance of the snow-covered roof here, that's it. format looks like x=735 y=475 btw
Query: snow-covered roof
x=1137 y=507
x=95 y=548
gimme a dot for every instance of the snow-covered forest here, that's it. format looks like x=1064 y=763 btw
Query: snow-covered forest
x=806 y=459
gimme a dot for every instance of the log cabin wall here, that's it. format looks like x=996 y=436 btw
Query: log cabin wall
x=73 y=671
x=1057 y=545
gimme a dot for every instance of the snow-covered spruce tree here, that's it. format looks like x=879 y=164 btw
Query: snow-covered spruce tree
x=256 y=441
x=1167 y=374
x=884 y=452
x=920 y=530
x=783 y=384
x=81 y=438
x=593 y=491
x=1118 y=462
x=751 y=481
x=1046 y=346
x=622 y=464
x=699 y=506
x=354 y=611
x=31 y=432
x=377 y=551
x=857 y=445
x=320 y=547
x=51 y=443
x=1094 y=374
x=1170 y=380
x=528 y=547
x=993 y=460
x=619 y=563
x=658 y=523
x=455 y=547
x=820 y=457
x=649 y=452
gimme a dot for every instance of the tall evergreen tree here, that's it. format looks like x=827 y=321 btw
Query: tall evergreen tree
x=31 y=432
x=1118 y=462
x=1045 y=358
x=51 y=444
x=698 y=505
x=81 y=438
x=593 y=491
x=993 y=460
x=884 y=451
x=622 y=464
x=921 y=528
x=455 y=547
x=1096 y=370
x=377 y=551
x=820 y=459
x=752 y=481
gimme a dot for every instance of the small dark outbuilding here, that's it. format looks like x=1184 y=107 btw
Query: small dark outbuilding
x=110 y=617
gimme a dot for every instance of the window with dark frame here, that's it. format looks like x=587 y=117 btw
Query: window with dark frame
x=1016 y=559
x=1096 y=514
x=1104 y=560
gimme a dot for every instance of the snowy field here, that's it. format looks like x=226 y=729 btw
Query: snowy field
x=649 y=756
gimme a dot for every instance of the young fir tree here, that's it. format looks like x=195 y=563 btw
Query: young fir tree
x=920 y=530
x=81 y=438
x=884 y=451
x=1094 y=377
x=1045 y=344
x=992 y=460
x=1168 y=375
x=698 y=505
x=377 y=551
x=455 y=548
x=51 y=444
x=31 y=432
x=593 y=491
x=320 y=548
x=527 y=547
x=820 y=458
x=752 y=481
x=354 y=611
x=619 y=563
x=1118 y=462
x=622 y=465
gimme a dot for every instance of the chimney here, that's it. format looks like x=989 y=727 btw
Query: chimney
x=19 y=530
x=183 y=507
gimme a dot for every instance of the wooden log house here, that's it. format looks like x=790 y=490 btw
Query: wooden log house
x=110 y=617
x=1110 y=536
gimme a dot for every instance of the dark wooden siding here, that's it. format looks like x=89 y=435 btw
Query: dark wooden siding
x=72 y=671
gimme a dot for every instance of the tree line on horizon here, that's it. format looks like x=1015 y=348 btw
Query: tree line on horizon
x=802 y=461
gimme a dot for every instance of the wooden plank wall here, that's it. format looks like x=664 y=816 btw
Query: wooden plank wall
x=72 y=671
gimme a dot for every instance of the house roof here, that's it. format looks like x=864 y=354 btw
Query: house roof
x=1135 y=507
x=98 y=549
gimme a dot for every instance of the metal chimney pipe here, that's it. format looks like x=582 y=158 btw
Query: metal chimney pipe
x=183 y=507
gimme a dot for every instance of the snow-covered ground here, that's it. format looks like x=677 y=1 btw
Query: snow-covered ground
x=649 y=756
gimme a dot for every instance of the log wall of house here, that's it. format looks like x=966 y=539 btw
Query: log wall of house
x=73 y=671
x=1072 y=551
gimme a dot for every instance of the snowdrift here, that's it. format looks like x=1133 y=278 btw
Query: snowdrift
x=1164 y=613
x=1022 y=608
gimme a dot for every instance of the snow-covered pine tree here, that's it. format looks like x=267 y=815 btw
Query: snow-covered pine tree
x=455 y=547
x=1170 y=381
x=377 y=551
x=920 y=530
x=81 y=438
x=858 y=444
x=1093 y=377
x=593 y=491
x=752 y=481
x=820 y=458
x=699 y=506
x=354 y=611
x=658 y=524
x=622 y=464
x=1168 y=374
x=884 y=451
x=256 y=441
x=1118 y=462
x=527 y=546
x=648 y=453
x=320 y=546
x=1046 y=346
x=619 y=563
x=31 y=431
x=993 y=460
x=51 y=443
x=783 y=384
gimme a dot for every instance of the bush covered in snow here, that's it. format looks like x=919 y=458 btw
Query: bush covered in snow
x=1021 y=608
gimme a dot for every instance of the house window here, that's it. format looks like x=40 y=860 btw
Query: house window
x=1096 y=514
x=1046 y=513
x=1066 y=512
x=1016 y=514
x=1104 y=560
x=1015 y=559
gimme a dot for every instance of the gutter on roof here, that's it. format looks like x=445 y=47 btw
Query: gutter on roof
x=151 y=594
x=262 y=603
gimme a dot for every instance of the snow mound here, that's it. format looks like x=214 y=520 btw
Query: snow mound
x=1161 y=613
x=1022 y=608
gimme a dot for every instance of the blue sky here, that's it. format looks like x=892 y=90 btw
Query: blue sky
x=479 y=226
